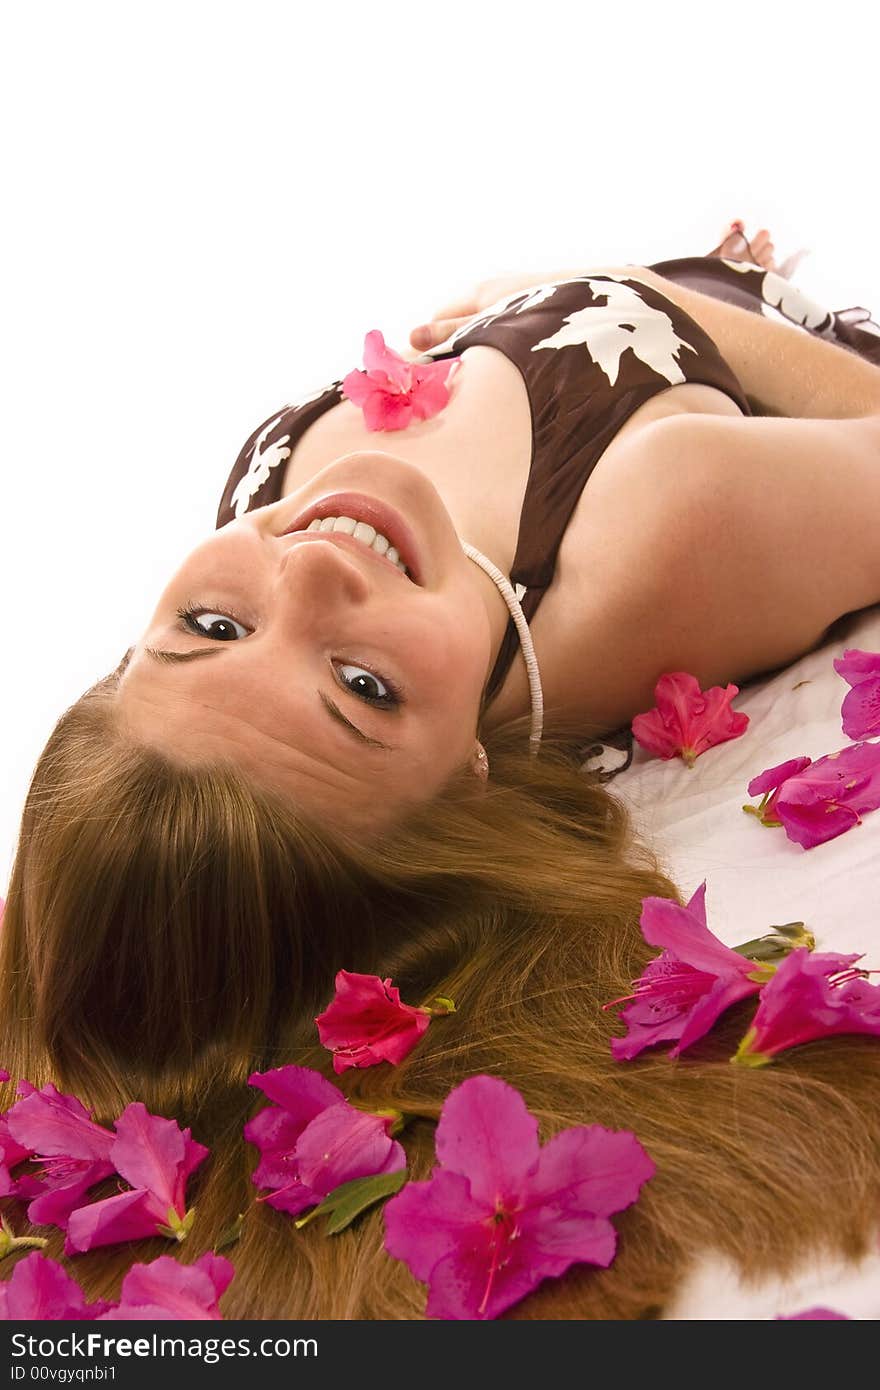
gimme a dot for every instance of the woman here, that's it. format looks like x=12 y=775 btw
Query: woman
x=203 y=847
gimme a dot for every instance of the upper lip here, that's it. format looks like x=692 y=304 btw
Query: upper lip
x=376 y=513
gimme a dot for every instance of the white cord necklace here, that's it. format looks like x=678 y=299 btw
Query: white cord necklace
x=525 y=637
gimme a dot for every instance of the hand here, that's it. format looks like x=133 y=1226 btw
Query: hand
x=457 y=313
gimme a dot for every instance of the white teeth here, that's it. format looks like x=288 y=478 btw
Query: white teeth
x=363 y=532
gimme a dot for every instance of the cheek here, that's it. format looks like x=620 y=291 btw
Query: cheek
x=449 y=659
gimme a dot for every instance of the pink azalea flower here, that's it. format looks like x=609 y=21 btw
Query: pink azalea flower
x=366 y=1023
x=157 y=1158
x=4 y=1074
x=311 y=1140
x=501 y=1213
x=810 y=996
x=72 y=1150
x=40 y=1289
x=688 y=720
x=817 y=801
x=685 y=990
x=860 y=710
x=165 y=1290
x=11 y=1154
x=393 y=392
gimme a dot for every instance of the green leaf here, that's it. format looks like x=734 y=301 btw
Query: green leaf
x=348 y=1200
x=230 y=1235
x=777 y=944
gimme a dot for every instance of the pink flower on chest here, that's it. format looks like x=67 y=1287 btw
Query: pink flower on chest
x=687 y=720
x=393 y=392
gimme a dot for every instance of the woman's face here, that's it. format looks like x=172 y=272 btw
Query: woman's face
x=315 y=664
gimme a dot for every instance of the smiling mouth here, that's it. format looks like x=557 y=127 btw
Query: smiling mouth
x=356 y=520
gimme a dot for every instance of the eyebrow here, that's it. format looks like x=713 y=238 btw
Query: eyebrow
x=171 y=658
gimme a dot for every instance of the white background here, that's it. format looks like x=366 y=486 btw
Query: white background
x=206 y=207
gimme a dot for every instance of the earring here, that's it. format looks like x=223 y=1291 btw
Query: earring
x=481 y=762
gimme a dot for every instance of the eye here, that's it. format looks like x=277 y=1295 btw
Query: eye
x=190 y=614
x=374 y=689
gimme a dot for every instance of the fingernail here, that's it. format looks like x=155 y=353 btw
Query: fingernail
x=420 y=337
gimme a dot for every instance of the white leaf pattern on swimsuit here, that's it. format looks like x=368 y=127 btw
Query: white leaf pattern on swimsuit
x=650 y=332
x=794 y=304
x=263 y=460
x=780 y=294
x=535 y=296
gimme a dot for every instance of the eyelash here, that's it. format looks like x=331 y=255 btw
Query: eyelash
x=190 y=611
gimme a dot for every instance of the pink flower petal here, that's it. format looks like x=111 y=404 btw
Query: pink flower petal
x=860 y=711
x=774 y=777
x=40 y=1289
x=723 y=994
x=815 y=1315
x=165 y=1289
x=687 y=720
x=341 y=1144
x=57 y=1125
x=829 y=797
x=486 y=1133
x=54 y=1206
x=811 y=995
x=683 y=931
x=591 y=1170
x=427 y=1221
x=357 y=386
x=366 y=1022
x=857 y=665
x=275 y=1134
x=380 y=358
x=129 y=1216
x=152 y=1152
x=302 y=1092
x=485 y=1237
x=681 y=994
x=383 y=411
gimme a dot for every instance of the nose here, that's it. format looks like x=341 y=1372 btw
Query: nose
x=321 y=571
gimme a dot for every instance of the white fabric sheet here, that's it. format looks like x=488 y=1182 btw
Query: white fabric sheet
x=756 y=877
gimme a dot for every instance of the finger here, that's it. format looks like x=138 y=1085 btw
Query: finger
x=430 y=334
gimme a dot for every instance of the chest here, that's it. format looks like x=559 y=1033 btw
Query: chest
x=477 y=453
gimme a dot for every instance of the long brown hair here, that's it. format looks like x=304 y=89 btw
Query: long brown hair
x=169 y=930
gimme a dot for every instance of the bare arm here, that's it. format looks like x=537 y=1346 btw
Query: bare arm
x=796 y=373
x=791 y=372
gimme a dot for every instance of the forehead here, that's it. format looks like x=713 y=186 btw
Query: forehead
x=283 y=738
